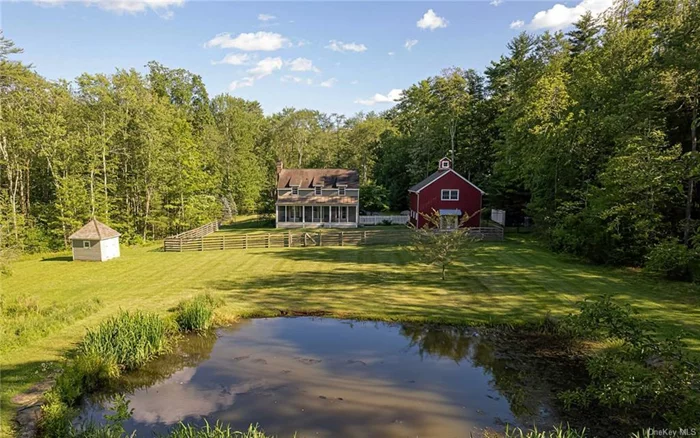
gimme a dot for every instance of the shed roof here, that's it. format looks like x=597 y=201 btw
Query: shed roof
x=437 y=175
x=309 y=178
x=94 y=230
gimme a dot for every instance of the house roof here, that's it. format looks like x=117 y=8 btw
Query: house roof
x=309 y=178
x=94 y=230
x=436 y=176
x=289 y=199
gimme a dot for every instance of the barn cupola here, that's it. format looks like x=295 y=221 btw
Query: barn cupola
x=445 y=163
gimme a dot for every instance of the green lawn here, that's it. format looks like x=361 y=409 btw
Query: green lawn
x=502 y=282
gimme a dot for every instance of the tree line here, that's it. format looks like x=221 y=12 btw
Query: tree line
x=592 y=133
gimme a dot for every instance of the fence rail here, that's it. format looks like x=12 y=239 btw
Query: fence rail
x=376 y=220
x=204 y=230
x=219 y=242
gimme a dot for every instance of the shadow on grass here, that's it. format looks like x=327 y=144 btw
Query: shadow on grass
x=58 y=259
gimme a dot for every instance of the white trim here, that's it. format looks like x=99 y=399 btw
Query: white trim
x=343 y=189
x=295 y=188
x=449 y=195
x=318 y=190
x=448 y=171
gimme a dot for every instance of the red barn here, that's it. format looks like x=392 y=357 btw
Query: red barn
x=447 y=192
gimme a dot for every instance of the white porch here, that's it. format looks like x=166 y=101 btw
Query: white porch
x=317 y=216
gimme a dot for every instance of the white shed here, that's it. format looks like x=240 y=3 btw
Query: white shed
x=95 y=241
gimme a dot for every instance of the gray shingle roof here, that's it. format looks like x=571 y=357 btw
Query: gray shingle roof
x=94 y=230
x=432 y=177
x=309 y=178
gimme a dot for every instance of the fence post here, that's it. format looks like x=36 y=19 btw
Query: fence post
x=245 y=243
x=319 y=239
x=341 y=238
x=305 y=234
x=180 y=244
x=364 y=237
x=267 y=245
x=223 y=243
x=289 y=242
x=201 y=243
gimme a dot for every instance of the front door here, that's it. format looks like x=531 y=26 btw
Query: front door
x=448 y=222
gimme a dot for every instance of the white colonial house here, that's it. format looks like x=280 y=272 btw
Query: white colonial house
x=309 y=198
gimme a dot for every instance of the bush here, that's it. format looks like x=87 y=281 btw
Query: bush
x=640 y=371
x=671 y=259
x=82 y=375
x=217 y=431
x=129 y=339
x=557 y=432
x=196 y=314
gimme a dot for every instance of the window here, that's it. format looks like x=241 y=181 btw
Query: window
x=86 y=244
x=318 y=190
x=449 y=195
x=444 y=164
x=295 y=190
x=341 y=191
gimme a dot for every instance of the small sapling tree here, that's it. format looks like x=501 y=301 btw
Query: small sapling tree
x=441 y=247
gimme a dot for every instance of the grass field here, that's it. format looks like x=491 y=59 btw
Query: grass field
x=502 y=282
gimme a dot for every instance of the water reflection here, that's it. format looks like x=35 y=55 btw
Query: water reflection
x=323 y=377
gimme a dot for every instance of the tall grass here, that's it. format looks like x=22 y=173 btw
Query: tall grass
x=129 y=339
x=196 y=314
x=24 y=319
x=217 y=431
x=557 y=432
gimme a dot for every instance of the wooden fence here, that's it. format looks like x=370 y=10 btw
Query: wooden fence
x=224 y=241
x=218 y=242
x=377 y=220
x=202 y=231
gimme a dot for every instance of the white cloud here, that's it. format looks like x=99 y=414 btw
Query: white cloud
x=391 y=53
x=296 y=79
x=431 y=21
x=559 y=16
x=517 y=24
x=329 y=83
x=234 y=59
x=390 y=97
x=302 y=64
x=160 y=7
x=243 y=82
x=355 y=82
x=339 y=46
x=266 y=17
x=495 y=2
x=263 y=41
x=409 y=44
x=266 y=67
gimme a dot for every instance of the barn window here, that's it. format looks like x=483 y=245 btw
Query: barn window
x=86 y=244
x=318 y=190
x=449 y=195
x=295 y=190
x=341 y=191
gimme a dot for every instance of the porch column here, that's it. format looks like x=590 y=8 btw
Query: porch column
x=303 y=215
x=357 y=215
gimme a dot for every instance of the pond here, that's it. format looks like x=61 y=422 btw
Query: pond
x=328 y=377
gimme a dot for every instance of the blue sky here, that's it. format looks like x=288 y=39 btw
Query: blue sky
x=332 y=56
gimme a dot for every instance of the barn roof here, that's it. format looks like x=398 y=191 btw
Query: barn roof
x=94 y=230
x=437 y=175
x=309 y=178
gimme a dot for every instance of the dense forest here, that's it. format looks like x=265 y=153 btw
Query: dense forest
x=590 y=132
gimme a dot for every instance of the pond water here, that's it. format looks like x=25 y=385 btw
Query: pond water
x=327 y=377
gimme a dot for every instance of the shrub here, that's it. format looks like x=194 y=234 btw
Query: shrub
x=557 y=432
x=670 y=259
x=217 y=431
x=640 y=371
x=129 y=339
x=196 y=314
x=82 y=375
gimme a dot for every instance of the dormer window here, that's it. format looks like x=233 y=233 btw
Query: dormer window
x=317 y=190
x=295 y=190
x=341 y=191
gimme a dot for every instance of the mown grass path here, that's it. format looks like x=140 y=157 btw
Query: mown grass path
x=508 y=282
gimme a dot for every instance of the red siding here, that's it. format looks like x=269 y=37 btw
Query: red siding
x=469 y=198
